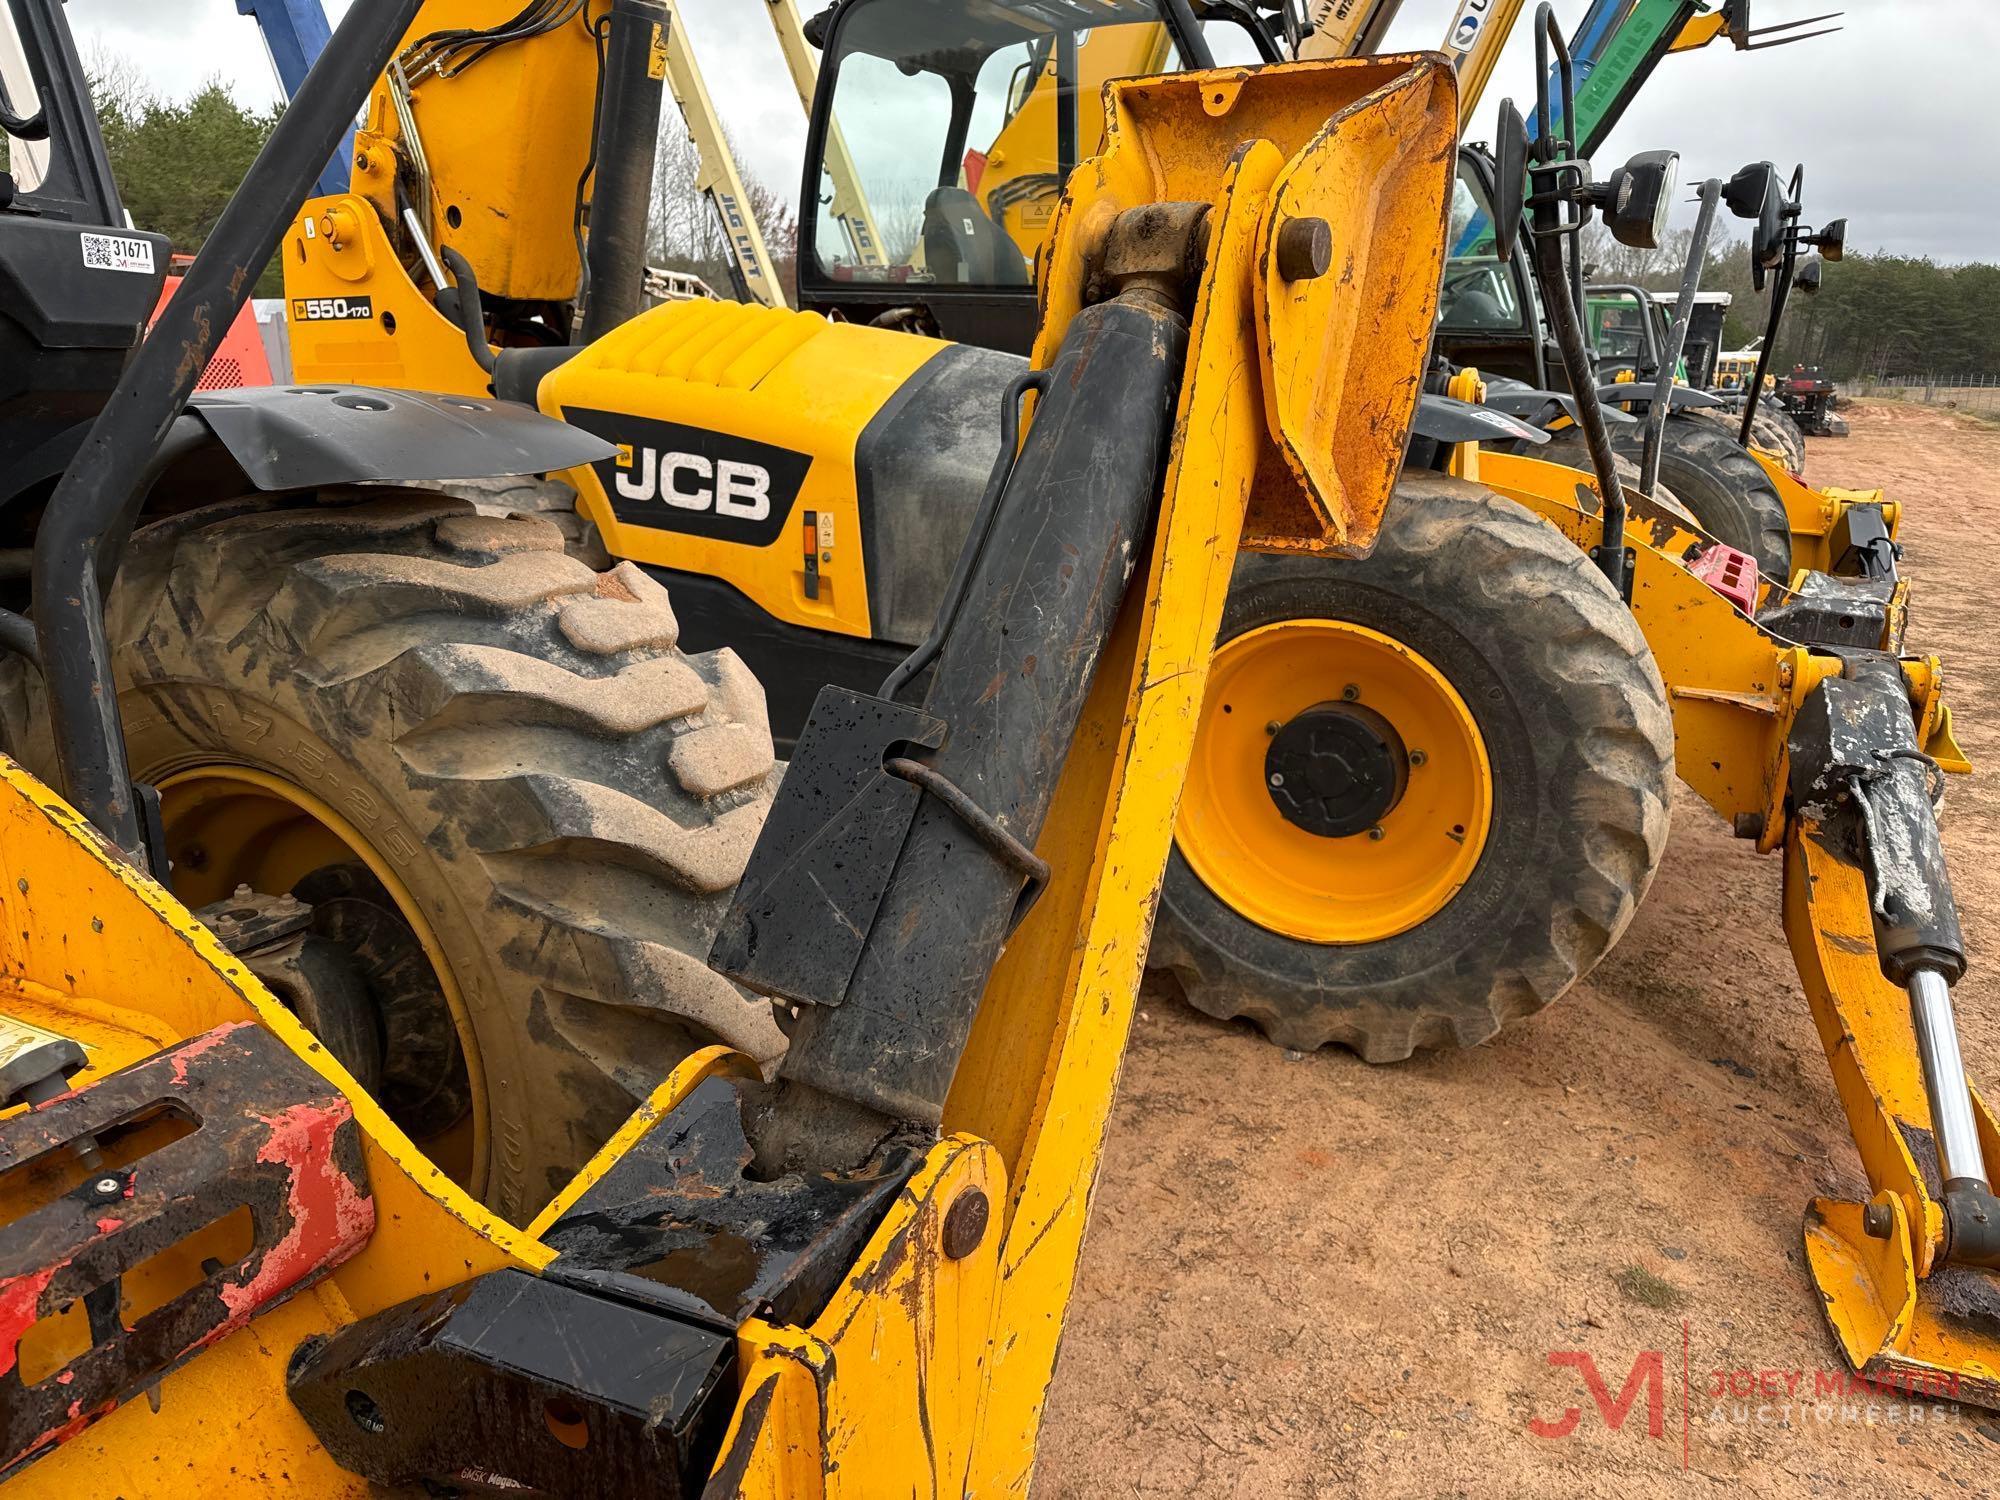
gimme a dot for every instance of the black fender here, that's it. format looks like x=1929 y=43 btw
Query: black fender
x=1540 y=408
x=300 y=437
x=1640 y=397
x=294 y=437
x=1445 y=419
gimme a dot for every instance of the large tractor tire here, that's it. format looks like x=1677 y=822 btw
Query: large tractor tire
x=1773 y=430
x=509 y=799
x=552 y=499
x=1429 y=788
x=1719 y=483
x=1576 y=456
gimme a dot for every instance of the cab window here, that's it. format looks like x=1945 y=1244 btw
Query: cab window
x=25 y=160
x=1615 y=328
x=952 y=130
x=1480 y=294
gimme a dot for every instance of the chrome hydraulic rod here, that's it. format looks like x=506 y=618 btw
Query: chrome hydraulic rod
x=1960 y=1158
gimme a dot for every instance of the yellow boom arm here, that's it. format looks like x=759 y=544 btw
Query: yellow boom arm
x=849 y=205
x=718 y=179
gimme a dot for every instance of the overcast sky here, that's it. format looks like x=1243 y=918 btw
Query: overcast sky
x=1890 y=115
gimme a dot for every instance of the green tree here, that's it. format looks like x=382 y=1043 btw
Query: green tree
x=177 y=161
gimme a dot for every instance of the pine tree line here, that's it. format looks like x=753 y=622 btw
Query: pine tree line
x=1879 y=315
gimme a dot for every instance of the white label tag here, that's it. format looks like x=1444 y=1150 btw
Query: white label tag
x=117 y=252
x=826 y=531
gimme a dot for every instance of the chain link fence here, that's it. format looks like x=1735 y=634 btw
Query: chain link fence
x=1966 y=392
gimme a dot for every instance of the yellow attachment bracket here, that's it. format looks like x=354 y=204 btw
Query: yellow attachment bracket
x=1900 y=1315
x=1925 y=675
x=1330 y=394
x=1367 y=146
x=906 y=1335
x=95 y=951
x=1733 y=687
x=1813 y=513
x=1700 y=31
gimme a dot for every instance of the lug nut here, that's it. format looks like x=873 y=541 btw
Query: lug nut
x=1417 y=757
x=1277 y=778
x=1273 y=727
x=1350 y=693
x=1305 y=249
x=1877 y=1220
x=1376 y=835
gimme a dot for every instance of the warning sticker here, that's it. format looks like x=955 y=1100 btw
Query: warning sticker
x=117 y=252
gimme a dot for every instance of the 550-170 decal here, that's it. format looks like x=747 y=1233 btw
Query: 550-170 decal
x=669 y=477
x=332 y=309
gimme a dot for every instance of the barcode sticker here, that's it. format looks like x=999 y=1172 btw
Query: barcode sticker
x=117 y=252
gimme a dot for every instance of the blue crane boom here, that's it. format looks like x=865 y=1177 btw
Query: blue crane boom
x=296 y=32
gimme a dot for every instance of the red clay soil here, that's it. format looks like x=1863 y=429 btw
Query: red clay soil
x=1308 y=1276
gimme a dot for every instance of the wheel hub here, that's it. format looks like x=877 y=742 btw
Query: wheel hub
x=230 y=826
x=1337 y=769
x=1339 y=790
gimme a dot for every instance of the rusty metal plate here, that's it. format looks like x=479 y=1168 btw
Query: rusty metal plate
x=1344 y=351
x=157 y=1210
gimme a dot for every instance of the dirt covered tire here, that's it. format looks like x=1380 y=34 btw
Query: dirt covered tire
x=1574 y=719
x=567 y=798
x=1722 y=486
x=1568 y=448
x=1773 y=430
x=552 y=499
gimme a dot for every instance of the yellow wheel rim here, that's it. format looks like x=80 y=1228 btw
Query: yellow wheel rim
x=1364 y=886
x=252 y=828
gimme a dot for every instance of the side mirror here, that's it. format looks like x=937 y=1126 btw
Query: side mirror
x=1767 y=242
x=1639 y=196
x=1749 y=190
x=1831 y=242
x=1510 y=179
x=1808 y=277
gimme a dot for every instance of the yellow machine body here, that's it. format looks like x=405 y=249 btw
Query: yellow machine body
x=1291 y=459
x=791 y=390
x=1734 y=690
x=94 y=951
x=928 y=1369
x=484 y=177
x=358 y=295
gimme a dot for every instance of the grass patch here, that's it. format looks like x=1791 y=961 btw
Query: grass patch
x=1641 y=1286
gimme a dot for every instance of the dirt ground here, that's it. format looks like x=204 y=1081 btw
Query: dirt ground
x=1310 y=1276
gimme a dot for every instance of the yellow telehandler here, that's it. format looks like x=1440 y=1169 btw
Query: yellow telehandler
x=1429 y=785
x=223 y=1264
x=225 y=1267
